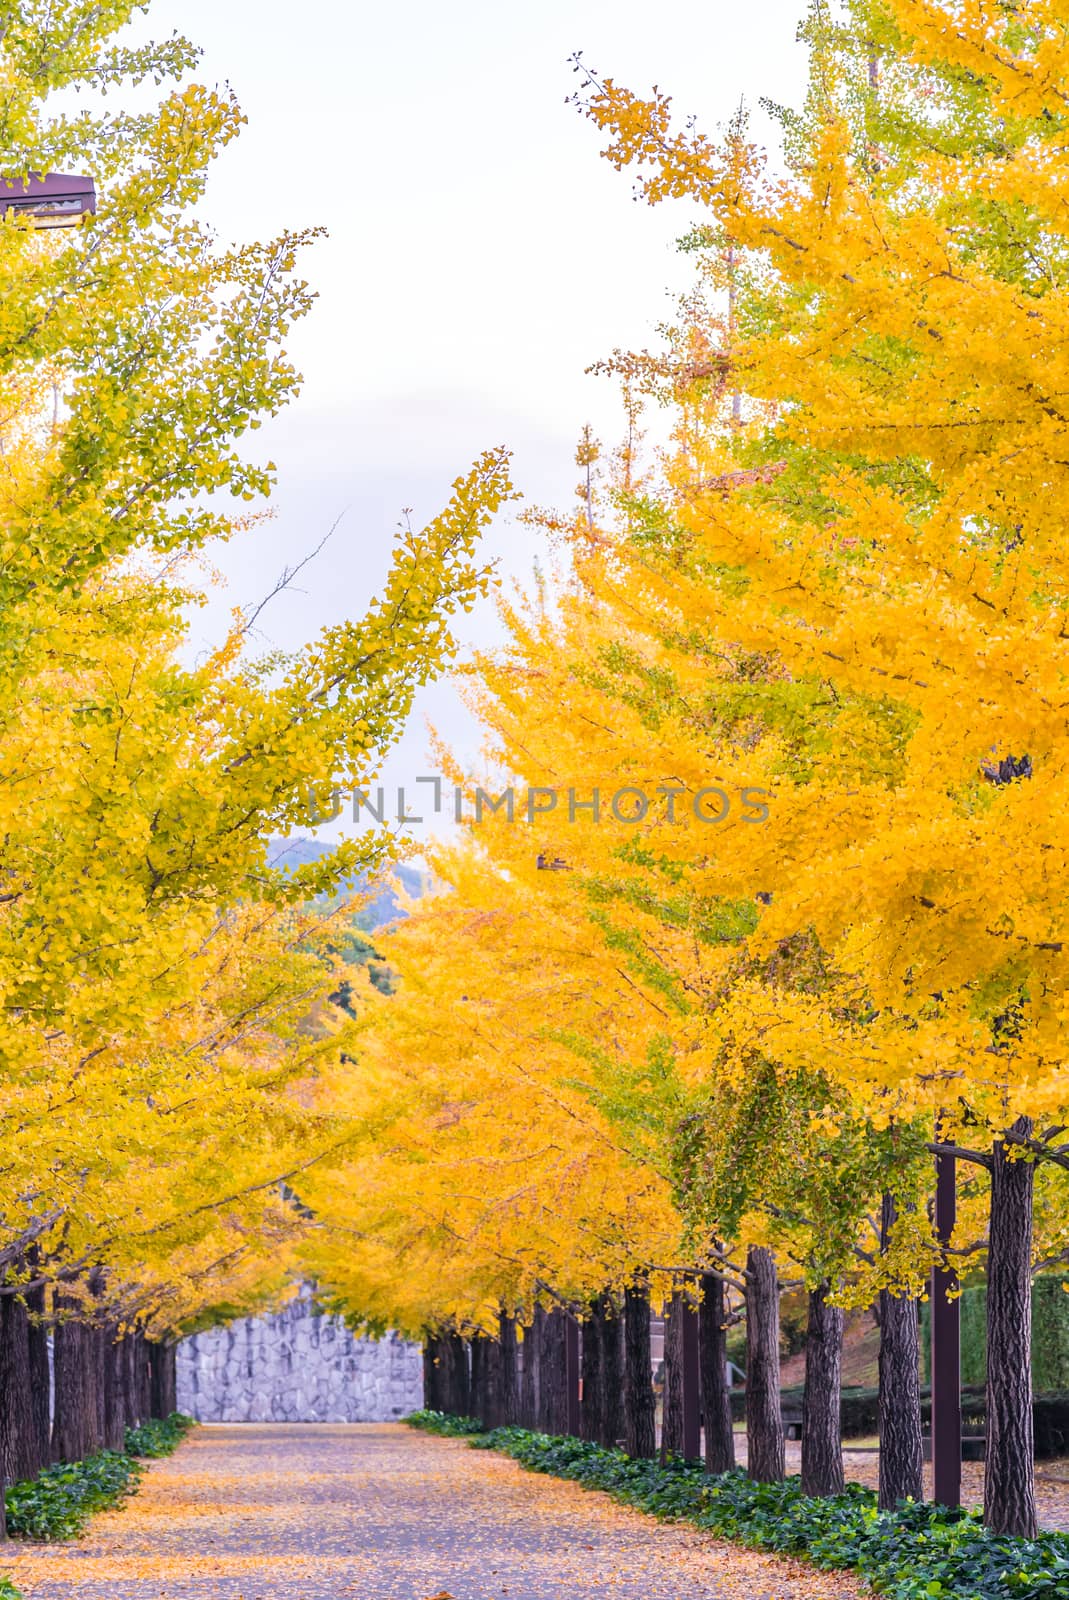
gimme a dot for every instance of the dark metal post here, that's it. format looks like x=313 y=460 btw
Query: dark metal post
x=946 y=1347
x=692 y=1383
x=571 y=1372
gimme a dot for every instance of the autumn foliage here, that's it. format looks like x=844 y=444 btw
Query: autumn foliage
x=165 y=983
x=779 y=903
x=710 y=1035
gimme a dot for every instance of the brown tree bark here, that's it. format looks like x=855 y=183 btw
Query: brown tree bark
x=1009 y=1472
x=764 y=1417
x=99 y=1355
x=590 y=1413
x=114 y=1408
x=672 y=1397
x=19 y=1445
x=40 y=1373
x=612 y=1373
x=532 y=1338
x=901 y=1450
x=640 y=1429
x=552 y=1375
x=129 y=1387
x=716 y=1397
x=485 y=1380
x=492 y=1415
x=458 y=1387
x=510 y=1385
x=822 y=1450
x=162 y=1379
x=477 y=1405
x=75 y=1429
x=432 y=1358
x=144 y=1378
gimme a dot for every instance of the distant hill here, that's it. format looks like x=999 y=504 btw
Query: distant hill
x=382 y=908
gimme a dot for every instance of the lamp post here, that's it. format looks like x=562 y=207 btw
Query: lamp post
x=57 y=200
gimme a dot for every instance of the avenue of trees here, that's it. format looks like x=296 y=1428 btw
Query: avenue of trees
x=783 y=898
x=780 y=899
x=165 y=987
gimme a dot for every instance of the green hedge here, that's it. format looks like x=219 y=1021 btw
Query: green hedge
x=859 y=1409
x=157 y=1438
x=860 y=1414
x=917 y=1552
x=59 y=1503
x=442 y=1423
x=1050 y=1335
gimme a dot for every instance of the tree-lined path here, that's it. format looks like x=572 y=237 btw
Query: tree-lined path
x=380 y=1513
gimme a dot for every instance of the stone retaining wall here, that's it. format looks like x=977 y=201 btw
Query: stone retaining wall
x=297 y=1366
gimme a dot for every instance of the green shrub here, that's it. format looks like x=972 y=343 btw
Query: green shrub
x=1050 y=1335
x=917 y=1552
x=59 y=1503
x=442 y=1423
x=859 y=1409
x=8 y=1590
x=155 y=1438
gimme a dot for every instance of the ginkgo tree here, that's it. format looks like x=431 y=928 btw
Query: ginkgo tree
x=847 y=593
x=165 y=998
x=907 y=555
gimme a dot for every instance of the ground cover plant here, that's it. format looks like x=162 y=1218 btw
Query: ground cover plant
x=158 y=1436
x=60 y=1501
x=919 y=1549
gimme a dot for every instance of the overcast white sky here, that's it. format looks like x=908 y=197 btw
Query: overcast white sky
x=481 y=253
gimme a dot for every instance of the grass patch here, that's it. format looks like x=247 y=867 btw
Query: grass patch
x=917 y=1552
x=58 y=1504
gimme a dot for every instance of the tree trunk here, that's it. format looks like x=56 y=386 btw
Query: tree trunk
x=144 y=1378
x=432 y=1361
x=1009 y=1473
x=532 y=1339
x=40 y=1373
x=901 y=1451
x=764 y=1416
x=822 y=1450
x=640 y=1429
x=114 y=1409
x=458 y=1387
x=128 y=1384
x=510 y=1389
x=98 y=1354
x=429 y=1403
x=131 y=1389
x=590 y=1414
x=19 y=1446
x=171 y=1370
x=716 y=1397
x=478 y=1377
x=553 y=1375
x=492 y=1416
x=672 y=1399
x=485 y=1402
x=75 y=1431
x=612 y=1375
x=162 y=1362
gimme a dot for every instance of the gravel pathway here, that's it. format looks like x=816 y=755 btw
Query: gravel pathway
x=383 y=1513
